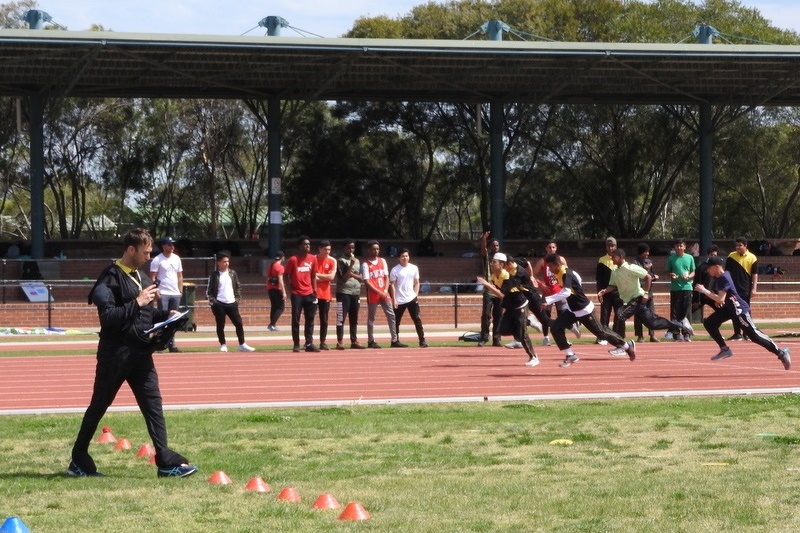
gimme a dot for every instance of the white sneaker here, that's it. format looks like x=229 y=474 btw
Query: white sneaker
x=513 y=345
x=618 y=352
x=533 y=362
x=687 y=327
x=534 y=323
x=576 y=329
x=223 y=348
x=546 y=341
x=668 y=336
x=245 y=348
x=602 y=342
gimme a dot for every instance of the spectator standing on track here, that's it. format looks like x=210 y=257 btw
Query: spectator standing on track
x=680 y=266
x=301 y=271
x=731 y=306
x=167 y=270
x=348 y=295
x=579 y=309
x=375 y=274
x=404 y=278
x=224 y=293
x=326 y=271
x=643 y=260
x=276 y=291
x=124 y=304
x=491 y=310
x=612 y=302
x=742 y=265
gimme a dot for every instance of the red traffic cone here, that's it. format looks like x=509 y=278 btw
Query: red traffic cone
x=257 y=484
x=326 y=501
x=122 y=444
x=219 y=478
x=106 y=437
x=146 y=450
x=354 y=511
x=152 y=460
x=289 y=494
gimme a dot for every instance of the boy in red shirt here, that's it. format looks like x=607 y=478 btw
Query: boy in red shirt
x=301 y=271
x=326 y=270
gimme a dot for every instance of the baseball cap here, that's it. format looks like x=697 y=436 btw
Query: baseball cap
x=611 y=240
x=167 y=240
x=500 y=256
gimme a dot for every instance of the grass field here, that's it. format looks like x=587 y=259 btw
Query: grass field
x=693 y=465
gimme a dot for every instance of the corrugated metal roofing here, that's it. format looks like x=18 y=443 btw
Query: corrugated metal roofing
x=96 y=64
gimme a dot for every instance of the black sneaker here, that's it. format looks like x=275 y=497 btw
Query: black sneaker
x=497 y=342
x=296 y=348
x=373 y=344
x=177 y=471
x=423 y=344
x=357 y=346
x=174 y=349
x=323 y=347
x=398 y=344
x=76 y=471
x=311 y=348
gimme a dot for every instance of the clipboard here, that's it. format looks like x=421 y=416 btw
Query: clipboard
x=165 y=323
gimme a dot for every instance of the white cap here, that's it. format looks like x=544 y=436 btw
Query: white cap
x=499 y=256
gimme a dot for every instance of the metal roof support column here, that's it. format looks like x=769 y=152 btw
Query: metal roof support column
x=274 y=140
x=497 y=179
x=705 y=34
x=36 y=132
x=36 y=19
x=274 y=172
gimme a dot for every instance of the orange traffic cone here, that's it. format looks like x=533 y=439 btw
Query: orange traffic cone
x=354 y=511
x=146 y=450
x=122 y=444
x=326 y=501
x=152 y=460
x=219 y=478
x=289 y=494
x=257 y=484
x=106 y=437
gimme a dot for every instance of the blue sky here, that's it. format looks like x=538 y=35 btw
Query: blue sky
x=327 y=18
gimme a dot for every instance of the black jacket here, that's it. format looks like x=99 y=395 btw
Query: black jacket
x=114 y=294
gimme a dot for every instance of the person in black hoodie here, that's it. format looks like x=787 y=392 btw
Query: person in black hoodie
x=512 y=284
x=124 y=299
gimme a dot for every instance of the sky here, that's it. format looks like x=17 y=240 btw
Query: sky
x=324 y=18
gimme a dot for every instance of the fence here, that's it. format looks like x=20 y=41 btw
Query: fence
x=64 y=304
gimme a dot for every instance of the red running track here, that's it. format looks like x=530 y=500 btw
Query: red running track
x=198 y=380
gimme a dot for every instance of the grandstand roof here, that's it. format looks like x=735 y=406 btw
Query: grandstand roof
x=103 y=64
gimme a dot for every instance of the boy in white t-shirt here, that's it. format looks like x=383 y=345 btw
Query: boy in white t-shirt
x=404 y=277
x=166 y=268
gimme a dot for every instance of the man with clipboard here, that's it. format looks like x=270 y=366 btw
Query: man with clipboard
x=124 y=300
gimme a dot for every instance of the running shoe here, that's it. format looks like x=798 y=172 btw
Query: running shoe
x=785 y=358
x=177 y=471
x=724 y=353
x=569 y=360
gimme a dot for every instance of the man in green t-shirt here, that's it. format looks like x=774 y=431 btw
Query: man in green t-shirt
x=680 y=267
x=627 y=279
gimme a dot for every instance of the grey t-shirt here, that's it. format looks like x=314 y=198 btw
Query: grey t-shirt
x=351 y=286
